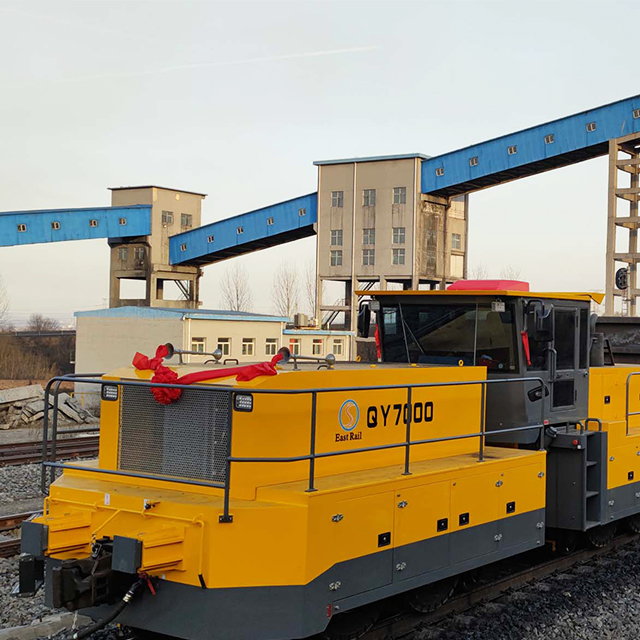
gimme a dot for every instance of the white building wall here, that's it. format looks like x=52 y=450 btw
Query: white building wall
x=232 y=333
x=337 y=343
x=104 y=344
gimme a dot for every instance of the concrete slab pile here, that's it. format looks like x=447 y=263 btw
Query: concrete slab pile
x=25 y=407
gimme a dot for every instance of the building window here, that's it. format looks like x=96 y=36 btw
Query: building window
x=183 y=247
x=439 y=172
x=198 y=344
x=398 y=235
x=591 y=126
x=456 y=241
x=248 y=346
x=22 y=228
x=368 y=236
x=513 y=149
x=138 y=253
x=240 y=230
x=549 y=138
x=224 y=344
x=316 y=348
x=186 y=220
x=294 y=346
x=123 y=254
x=369 y=197
x=338 y=347
x=167 y=218
x=368 y=257
x=93 y=222
x=302 y=212
x=636 y=113
x=336 y=237
x=271 y=347
x=399 y=195
x=336 y=258
x=269 y=222
x=398 y=256
x=337 y=198
x=55 y=226
x=122 y=222
x=209 y=239
x=473 y=162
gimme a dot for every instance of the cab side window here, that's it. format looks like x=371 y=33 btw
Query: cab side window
x=565 y=338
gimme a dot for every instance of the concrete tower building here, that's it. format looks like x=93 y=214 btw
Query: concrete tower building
x=376 y=226
x=146 y=258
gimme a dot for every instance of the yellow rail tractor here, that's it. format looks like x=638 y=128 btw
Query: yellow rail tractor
x=286 y=505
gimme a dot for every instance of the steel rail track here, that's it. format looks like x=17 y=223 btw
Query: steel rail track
x=11 y=546
x=406 y=623
x=15 y=453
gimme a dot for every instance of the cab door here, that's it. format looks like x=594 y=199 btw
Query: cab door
x=568 y=384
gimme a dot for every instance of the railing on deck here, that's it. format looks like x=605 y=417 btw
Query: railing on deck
x=627 y=413
x=312 y=456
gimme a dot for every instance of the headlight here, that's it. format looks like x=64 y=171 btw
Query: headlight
x=109 y=392
x=243 y=402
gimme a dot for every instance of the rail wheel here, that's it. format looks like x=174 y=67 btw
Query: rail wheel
x=634 y=523
x=353 y=624
x=567 y=542
x=469 y=580
x=428 y=598
x=601 y=536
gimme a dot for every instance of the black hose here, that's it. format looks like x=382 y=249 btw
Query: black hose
x=100 y=624
x=118 y=609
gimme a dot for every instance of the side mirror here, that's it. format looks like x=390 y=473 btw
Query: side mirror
x=540 y=321
x=364 y=319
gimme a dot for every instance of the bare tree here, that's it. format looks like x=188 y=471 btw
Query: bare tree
x=480 y=272
x=310 y=287
x=285 y=290
x=4 y=305
x=38 y=322
x=236 y=292
x=509 y=272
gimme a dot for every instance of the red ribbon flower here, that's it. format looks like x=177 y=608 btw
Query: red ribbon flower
x=162 y=373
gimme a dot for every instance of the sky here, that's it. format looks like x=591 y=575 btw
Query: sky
x=237 y=99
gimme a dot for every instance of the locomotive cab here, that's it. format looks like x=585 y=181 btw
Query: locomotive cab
x=513 y=333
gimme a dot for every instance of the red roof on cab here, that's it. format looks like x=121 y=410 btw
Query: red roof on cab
x=489 y=285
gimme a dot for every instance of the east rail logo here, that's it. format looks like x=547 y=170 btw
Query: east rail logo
x=348 y=417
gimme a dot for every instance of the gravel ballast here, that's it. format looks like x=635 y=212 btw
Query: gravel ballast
x=20 y=489
x=597 y=599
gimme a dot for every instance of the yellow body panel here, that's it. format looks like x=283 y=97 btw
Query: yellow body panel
x=182 y=536
x=607 y=401
x=280 y=425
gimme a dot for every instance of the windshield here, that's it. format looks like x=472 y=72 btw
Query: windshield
x=449 y=333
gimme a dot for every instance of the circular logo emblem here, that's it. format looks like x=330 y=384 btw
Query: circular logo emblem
x=348 y=415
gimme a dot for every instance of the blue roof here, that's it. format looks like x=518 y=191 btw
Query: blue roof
x=399 y=156
x=317 y=332
x=178 y=314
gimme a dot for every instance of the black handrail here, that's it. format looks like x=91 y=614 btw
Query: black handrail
x=627 y=412
x=312 y=456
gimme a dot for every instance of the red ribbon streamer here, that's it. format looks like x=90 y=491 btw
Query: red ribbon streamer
x=525 y=344
x=162 y=373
